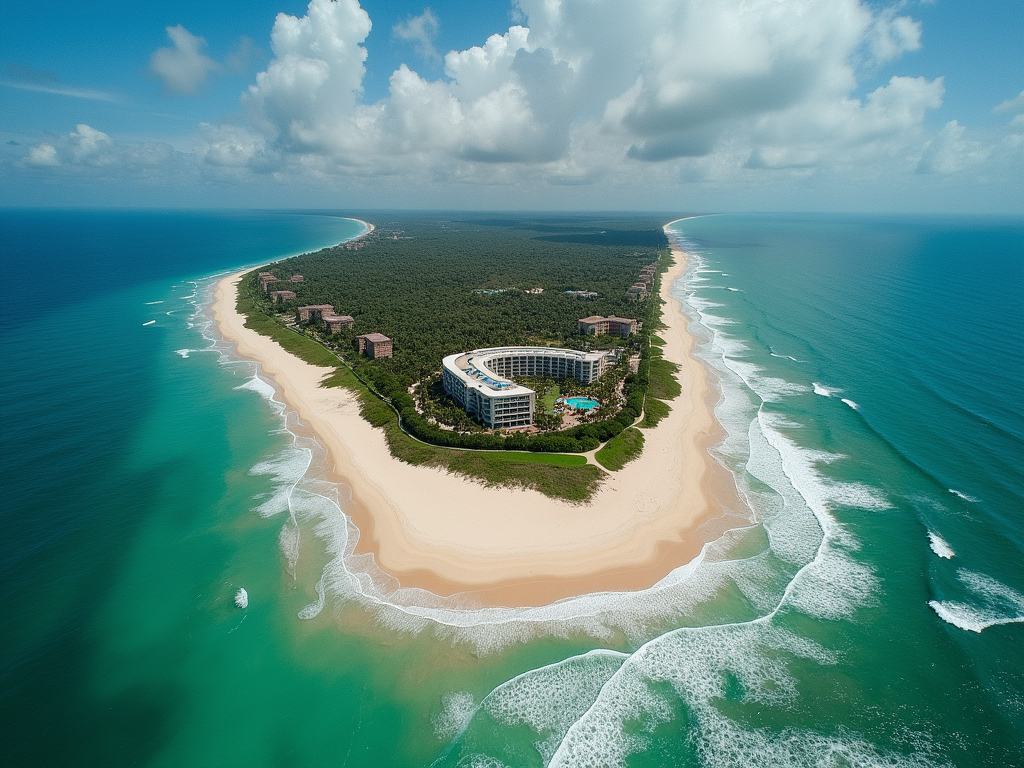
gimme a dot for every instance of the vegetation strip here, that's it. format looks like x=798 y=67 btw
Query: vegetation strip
x=621 y=450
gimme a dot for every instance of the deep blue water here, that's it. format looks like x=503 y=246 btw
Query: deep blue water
x=89 y=458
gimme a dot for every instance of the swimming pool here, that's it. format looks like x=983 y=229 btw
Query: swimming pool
x=581 y=403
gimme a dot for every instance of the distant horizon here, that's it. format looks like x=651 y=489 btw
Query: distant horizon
x=346 y=211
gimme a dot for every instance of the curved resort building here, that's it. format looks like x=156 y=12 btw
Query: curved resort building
x=480 y=381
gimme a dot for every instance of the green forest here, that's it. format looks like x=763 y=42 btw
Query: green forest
x=438 y=286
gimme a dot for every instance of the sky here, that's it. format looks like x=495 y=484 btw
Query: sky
x=682 y=105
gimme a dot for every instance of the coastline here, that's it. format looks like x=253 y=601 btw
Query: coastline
x=502 y=546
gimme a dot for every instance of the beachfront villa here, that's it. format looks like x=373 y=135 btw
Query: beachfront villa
x=374 y=345
x=480 y=381
x=335 y=323
x=323 y=313
x=314 y=312
x=266 y=278
x=280 y=296
x=595 y=325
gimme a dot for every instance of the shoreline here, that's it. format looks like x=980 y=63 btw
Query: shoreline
x=447 y=534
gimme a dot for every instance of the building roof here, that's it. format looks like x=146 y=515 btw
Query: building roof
x=610 y=319
x=338 y=318
x=472 y=367
x=376 y=338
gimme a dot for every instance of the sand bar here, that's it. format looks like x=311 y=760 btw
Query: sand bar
x=448 y=534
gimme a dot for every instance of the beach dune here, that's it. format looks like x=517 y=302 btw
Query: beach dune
x=448 y=534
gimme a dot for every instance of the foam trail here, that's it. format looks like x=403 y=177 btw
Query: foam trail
x=1000 y=604
x=821 y=389
x=939 y=546
x=969 y=618
x=149 y=303
x=182 y=352
x=851 y=404
x=963 y=496
x=260 y=387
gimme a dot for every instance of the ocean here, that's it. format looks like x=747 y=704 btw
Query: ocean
x=873 y=614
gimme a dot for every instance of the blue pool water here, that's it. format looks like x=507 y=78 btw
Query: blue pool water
x=582 y=403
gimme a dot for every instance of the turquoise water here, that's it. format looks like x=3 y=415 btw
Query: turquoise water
x=871 y=614
x=582 y=403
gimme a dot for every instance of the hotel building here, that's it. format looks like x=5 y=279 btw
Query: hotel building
x=480 y=381
x=595 y=325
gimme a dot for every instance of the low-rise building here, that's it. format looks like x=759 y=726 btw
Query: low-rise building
x=638 y=291
x=582 y=294
x=335 y=323
x=296 y=279
x=595 y=325
x=282 y=296
x=374 y=345
x=266 y=278
x=314 y=312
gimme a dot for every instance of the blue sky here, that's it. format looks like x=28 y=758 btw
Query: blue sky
x=581 y=104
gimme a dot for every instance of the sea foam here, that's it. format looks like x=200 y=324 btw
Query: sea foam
x=995 y=604
x=939 y=546
x=963 y=496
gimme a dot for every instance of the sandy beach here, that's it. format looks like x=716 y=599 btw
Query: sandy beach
x=445 y=533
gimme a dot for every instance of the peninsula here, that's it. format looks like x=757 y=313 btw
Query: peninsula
x=434 y=528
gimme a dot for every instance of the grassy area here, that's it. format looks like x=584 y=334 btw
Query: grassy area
x=663 y=381
x=654 y=411
x=621 y=450
x=657 y=341
x=561 y=476
x=549 y=399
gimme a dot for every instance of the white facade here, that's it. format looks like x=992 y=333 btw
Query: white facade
x=480 y=381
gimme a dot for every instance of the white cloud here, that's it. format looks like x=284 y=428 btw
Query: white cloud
x=1016 y=104
x=657 y=82
x=86 y=149
x=420 y=30
x=228 y=146
x=243 y=54
x=43 y=155
x=91 y=94
x=183 y=67
x=951 y=151
x=306 y=100
x=891 y=36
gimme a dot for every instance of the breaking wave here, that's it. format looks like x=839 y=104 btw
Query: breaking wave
x=993 y=604
x=939 y=546
x=821 y=389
